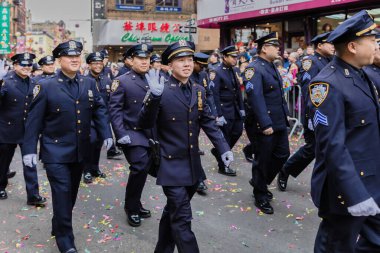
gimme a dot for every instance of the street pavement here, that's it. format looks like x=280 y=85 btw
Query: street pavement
x=225 y=220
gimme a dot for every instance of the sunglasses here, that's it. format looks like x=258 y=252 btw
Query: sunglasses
x=26 y=65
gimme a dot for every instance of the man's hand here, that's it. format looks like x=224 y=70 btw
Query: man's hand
x=221 y=121
x=125 y=140
x=156 y=83
x=30 y=160
x=108 y=143
x=228 y=158
x=268 y=131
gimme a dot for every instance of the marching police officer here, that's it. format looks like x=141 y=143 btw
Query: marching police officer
x=373 y=71
x=106 y=70
x=61 y=112
x=156 y=63
x=15 y=98
x=128 y=92
x=263 y=86
x=127 y=64
x=47 y=66
x=345 y=111
x=177 y=106
x=225 y=86
x=103 y=86
x=36 y=70
x=310 y=67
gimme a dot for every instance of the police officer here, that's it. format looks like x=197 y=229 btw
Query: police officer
x=263 y=86
x=127 y=64
x=61 y=112
x=128 y=92
x=106 y=70
x=177 y=106
x=345 y=111
x=156 y=63
x=310 y=67
x=15 y=98
x=36 y=70
x=373 y=71
x=47 y=66
x=103 y=86
x=225 y=86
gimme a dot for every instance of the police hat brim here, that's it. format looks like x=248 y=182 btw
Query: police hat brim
x=68 y=52
x=178 y=55
x=142 y=54
x=95 y=59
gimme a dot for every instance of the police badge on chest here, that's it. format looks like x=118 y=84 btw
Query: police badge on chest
x=90 y=96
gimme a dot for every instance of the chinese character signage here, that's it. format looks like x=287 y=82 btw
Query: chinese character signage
x=168 y=9
x=4 y=28
x=130 y=32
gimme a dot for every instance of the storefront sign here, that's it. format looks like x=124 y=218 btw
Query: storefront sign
x=168 y=9
x=130 y=32
x=212 y=12
x=129 y=7
x=4 y=28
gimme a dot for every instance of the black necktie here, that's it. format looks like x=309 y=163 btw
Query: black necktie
x=186 y=92
x=73 y=86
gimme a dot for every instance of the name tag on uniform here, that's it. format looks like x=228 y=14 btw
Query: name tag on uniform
x=90 y=95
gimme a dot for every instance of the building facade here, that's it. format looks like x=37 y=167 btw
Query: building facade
x=40 y=43
x=119 y=24
x=296 y=21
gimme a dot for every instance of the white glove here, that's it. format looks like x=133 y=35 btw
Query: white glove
x=3 y=70
x=220 y=121
x=228 y=158
x=156 y=83
x=124 y=140
x=108 y=143
x=366 y=208
x=30 y=160
x=242 y=113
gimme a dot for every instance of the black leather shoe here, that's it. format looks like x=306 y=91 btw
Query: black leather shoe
x=11 y=174
x=227 y=171
x=269 y=194
x=37 y=201
x=282 y=180
x=202 y=187
x=134 y=219
x=3 y=194
x=113 y=154
x=264 y=206
x=247 y=154
x=87 y=178
x=52 y=233
x=100 y=174
x=71 y=250
x=144 y=213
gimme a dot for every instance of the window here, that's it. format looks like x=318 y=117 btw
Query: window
x=131 y=2
x=168 y=3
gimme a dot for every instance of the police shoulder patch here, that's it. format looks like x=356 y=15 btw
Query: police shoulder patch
x=212 y=75
x=249 y=73
x=115 y=85
x=36 y=90
x=306 y=64
x=318 y=93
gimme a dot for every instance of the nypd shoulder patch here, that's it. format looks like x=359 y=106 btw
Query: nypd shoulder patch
x=306 y=64
x=115 y=85
x=249 y=73
x=320 y=119
x=318 y=93
x=36 y=90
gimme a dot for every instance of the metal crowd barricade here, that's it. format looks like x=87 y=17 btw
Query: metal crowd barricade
x=294 y=101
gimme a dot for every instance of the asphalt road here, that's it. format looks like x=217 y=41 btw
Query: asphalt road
x=225 y=220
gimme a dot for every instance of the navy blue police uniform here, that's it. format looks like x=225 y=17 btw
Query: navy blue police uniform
x=179 y=113
x=344 y=107
x=310 y=67
x=106 y=70
x=225 y=86
x=60 y=114
x=46 y=60
x=35 y=67
x=128 y=92
x=15 y=99
x=103 y=86
x=263 y=84
x=125 y=68
x=373 y=71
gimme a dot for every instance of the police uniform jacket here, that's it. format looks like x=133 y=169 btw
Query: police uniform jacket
x=226 y=91
x=103 y=85
x=128 y=92
x=64 y=121
x=265 y=95
x=373 y=73
x=178 y=124
x=38 y=78
x=123 y=70
x=202 y=79
x=107 y=72
x=15 y=98
x=345 y=113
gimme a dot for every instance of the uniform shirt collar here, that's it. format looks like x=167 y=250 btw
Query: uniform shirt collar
x=66 y=78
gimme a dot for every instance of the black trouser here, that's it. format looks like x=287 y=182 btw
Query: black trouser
x=175 y=224
x=138 y=158
x=92 y=165
x=232 y=132
x=64 y=181
x=250 y=130
x=7 y=152
x=339 y=234
x=272 y=152
x=303 y=157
